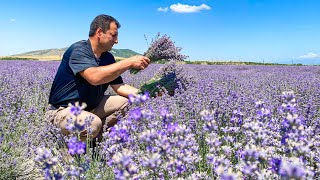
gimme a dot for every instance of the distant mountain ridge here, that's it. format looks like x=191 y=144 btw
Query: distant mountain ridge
x=121 y=53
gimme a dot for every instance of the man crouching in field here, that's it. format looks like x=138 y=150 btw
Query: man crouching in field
x=85 y=72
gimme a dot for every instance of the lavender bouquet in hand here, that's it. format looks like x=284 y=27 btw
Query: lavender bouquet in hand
x=162 y=48
x=171 y=75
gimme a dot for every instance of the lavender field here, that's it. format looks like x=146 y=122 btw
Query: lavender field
x=234 y=122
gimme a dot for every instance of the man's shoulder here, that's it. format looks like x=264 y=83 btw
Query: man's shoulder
x=83 y=44
x=80 y=49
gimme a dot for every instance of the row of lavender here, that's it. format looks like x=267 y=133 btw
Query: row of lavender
x=24 y=88
x=235 y=122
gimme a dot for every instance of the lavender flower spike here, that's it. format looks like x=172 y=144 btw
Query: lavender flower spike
x=76 y=108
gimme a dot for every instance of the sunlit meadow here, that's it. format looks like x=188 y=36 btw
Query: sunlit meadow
x=233 y=122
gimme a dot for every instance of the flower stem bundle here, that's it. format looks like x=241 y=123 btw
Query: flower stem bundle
x=170 y=77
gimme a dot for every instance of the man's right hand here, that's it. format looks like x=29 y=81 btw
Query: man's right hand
x=139 y=62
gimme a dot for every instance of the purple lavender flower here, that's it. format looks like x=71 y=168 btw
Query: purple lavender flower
x=138 y=99
x=144 y=97
x=70 y=125
x=148 y=136
x=119 y=134
x=74 y=124
x=166 y=115
x=250 y=155
x=136 y=113
x=76 y=108
x=75 y=146
x=162 y=48
x=58 y=176
x=229 y=176
x=206 y=115
x=263 y=111
x=1 y=138
x=131 y=98
x=46 y=161
x=275 y=164
x=292 y=170
x=74 y=171
x=288 y=96
x=126 y=168
x=172 y=127
x=152 y=161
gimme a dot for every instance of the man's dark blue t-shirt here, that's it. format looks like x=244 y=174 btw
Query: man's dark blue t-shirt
x=69 y=86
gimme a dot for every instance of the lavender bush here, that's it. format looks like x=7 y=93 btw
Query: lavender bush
x=233 y=122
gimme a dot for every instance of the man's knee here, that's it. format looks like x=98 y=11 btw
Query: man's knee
x=96 y=126
x=122 y=102
x=82 y=119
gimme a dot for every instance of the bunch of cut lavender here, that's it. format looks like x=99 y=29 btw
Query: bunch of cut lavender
x=170 y=77
x=162 y=48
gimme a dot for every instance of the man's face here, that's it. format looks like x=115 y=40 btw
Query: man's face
x=108 y=39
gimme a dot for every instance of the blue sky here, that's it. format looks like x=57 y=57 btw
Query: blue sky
x=245 y=30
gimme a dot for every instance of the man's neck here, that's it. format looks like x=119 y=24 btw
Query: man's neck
x=95 y=47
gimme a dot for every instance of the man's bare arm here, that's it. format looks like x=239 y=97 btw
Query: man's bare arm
x=104 y=74
x=124 y=89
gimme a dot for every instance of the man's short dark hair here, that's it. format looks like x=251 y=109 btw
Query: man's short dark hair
x=102 y=21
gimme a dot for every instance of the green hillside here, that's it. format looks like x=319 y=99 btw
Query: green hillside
x=44 y=52
x=124 y=53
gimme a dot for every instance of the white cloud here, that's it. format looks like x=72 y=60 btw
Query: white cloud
x=183 y=8
x=310 y=55
x=163 y=9
x=12 y=20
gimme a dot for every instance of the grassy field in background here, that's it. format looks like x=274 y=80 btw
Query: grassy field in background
x=40 y=58
x=58 y=58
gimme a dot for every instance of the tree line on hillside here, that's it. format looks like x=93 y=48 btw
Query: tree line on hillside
x=16 y=58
